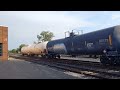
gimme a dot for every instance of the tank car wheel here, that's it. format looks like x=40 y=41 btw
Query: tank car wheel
x=73 y=55
x=117 y=61
x=111 y=60
x=90 y=56
x=103 y=60
x=54 y=57
x=58 y=56
x=42 y=56
x=49 y=56
x=95 y=56
x=37 y=55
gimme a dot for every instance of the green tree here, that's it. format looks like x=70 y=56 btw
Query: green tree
x=45 y=36
x=34 y=42
x=19 y=49
x=13 y=51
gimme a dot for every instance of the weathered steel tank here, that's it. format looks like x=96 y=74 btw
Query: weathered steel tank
x=34 y=49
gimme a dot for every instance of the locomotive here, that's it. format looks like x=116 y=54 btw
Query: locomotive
x=105 y=42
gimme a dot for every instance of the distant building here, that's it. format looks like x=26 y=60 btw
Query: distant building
x=3 y=43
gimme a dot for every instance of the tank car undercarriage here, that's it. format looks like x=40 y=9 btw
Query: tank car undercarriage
x=110 y=58
x=52 y=55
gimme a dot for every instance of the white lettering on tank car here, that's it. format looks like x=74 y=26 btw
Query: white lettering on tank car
x=89 y=45
x=103 y=40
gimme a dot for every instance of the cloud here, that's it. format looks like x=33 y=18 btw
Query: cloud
x=114 y=17
x=50 y=17
x=25 y=25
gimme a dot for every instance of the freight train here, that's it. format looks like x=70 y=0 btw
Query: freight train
x=105 y=42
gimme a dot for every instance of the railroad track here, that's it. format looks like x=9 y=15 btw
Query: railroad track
x=86 y=68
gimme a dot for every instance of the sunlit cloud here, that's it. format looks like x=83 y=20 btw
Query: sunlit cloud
x=25 y=25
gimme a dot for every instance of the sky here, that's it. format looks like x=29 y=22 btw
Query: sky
x=24 y=26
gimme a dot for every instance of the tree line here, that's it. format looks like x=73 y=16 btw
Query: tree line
x=42 y=37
